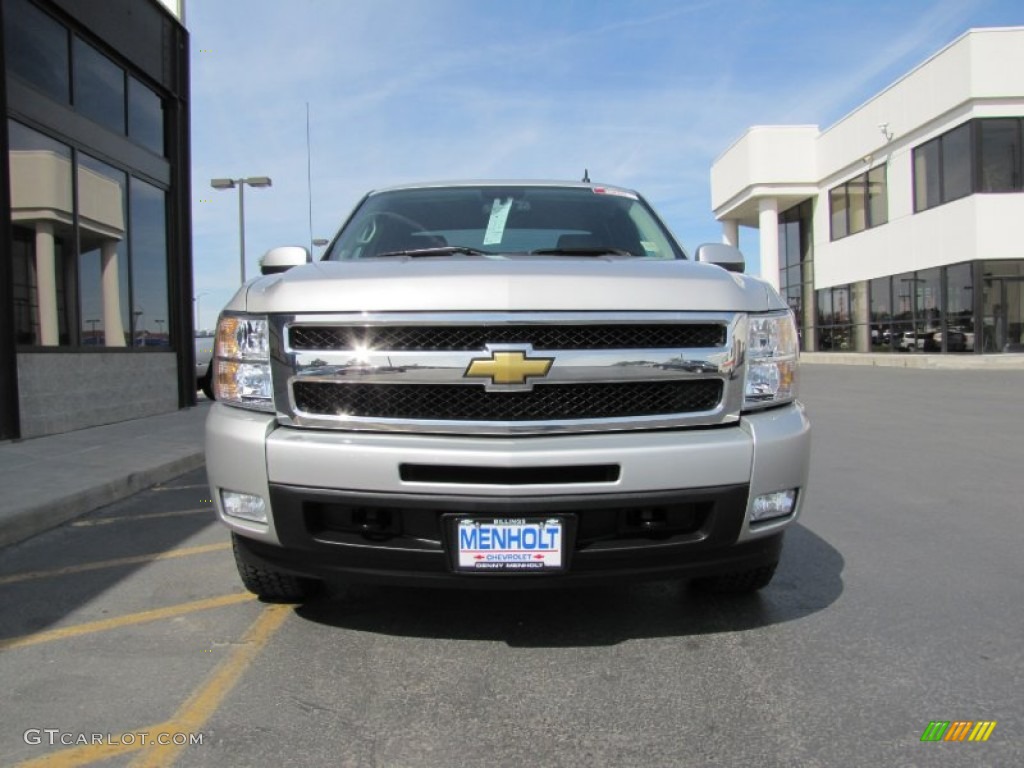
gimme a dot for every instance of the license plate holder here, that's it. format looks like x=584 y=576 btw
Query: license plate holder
x=531 y=544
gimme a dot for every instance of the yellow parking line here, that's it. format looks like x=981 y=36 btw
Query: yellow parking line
x=190 y=717
x=132 y=560
x=152 y=516
x=200 y=706
x=123 y=621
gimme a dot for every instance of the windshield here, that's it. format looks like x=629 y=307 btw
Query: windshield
x=504 y=221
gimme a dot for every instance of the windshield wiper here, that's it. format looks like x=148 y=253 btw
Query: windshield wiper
x=587 y=251
x=440 y=250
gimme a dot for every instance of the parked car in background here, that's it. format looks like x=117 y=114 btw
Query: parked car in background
x=204 y=354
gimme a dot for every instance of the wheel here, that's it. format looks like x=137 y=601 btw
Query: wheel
x=739 y=583
x=206 y=383
x=270 y=584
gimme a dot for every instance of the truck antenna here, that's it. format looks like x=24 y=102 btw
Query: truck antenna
x=586 y=176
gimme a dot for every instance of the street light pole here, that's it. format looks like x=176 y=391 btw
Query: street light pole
x=241 y=224
x=252 y=181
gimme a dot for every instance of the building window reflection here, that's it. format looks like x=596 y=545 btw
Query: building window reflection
x=108 y=289
x=103 y=246
x=99 y=87
x=148 y=239
x=859 y=204
x=145 y=116
x=835 y=319
x=36 y=49
x=796 y=252
x=42 y=215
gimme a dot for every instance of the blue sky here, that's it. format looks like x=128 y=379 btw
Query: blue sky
x=645 y=94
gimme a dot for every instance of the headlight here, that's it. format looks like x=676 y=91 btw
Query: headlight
x=241 y=373
x=772 y=351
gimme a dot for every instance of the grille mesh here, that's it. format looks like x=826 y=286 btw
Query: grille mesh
x=545 y=402
x=473 y=338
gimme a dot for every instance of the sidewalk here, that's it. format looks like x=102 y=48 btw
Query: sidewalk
x=46 y=481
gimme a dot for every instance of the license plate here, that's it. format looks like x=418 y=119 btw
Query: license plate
x=525 y=545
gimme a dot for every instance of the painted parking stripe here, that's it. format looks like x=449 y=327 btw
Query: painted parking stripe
x=200 y=706
x=14 y=578
x=124 y=621
x=132 y=518
x=190 y=717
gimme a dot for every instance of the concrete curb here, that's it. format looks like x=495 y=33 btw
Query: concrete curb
x=1008 y=362
x=23 y=523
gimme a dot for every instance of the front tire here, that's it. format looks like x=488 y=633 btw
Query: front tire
x=739 y=583
x=206 y=383
x=270 y=584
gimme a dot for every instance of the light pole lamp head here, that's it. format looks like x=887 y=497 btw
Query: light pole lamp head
x=257 y=181
x=222 y=183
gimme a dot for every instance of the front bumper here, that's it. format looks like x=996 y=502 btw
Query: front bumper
x=370 y=506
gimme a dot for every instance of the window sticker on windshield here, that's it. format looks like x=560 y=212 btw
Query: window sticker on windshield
x=496 y=224
x=649 y=246
x=616 y=192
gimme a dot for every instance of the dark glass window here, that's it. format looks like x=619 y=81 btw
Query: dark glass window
x=837 y=207
x=145 y=116
x=825 y=306
x=99 y=87
x=956 y=163
x=926 y=176
x=792 y=244
x=148 y=239
x=103 y=276
x=857 y=211
x=982 y=155
x=960 y=308
x=835 y=319
x=1000 y=154
x=41 y=214
x=881 y=312
x=796 y=251
x=36 y=49
x=878 y=199
x=859 y=204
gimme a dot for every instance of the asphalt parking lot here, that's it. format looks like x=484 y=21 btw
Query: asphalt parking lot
x=897 y=604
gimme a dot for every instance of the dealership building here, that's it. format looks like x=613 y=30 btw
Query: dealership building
x=900 y=228
x=96 y=274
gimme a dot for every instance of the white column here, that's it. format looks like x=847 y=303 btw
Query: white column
x=46 y=285
x=768 y=221
x=731 y=232
x=113 y=327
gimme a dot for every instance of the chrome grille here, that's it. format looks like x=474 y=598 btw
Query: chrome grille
x=470 y=403
x=462 y=338
x=469 y=372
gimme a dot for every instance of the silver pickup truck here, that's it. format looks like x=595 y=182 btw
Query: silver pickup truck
x=506 y=385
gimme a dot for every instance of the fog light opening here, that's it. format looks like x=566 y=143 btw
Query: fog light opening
x=770 y=506
x=244 y=506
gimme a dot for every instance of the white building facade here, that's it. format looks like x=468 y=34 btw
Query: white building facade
x=901 y=227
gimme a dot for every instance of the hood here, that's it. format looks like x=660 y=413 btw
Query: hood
x=454 y=284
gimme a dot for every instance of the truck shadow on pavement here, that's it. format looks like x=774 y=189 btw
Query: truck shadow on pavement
x=808 y=580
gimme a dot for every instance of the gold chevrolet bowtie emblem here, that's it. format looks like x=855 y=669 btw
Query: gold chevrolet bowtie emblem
x=508 y=367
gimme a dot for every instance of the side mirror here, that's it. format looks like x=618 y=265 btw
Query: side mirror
x=723 y=255
x=283 y=258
